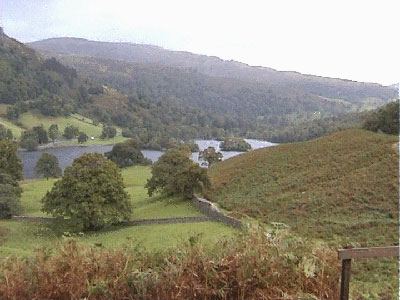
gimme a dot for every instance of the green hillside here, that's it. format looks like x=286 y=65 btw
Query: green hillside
x=318 y=187
x=341 y=189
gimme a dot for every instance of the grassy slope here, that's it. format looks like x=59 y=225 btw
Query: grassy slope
x=342 y=188
x=22 y=237
x=30 y=119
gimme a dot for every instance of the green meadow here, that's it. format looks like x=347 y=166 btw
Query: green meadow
x=22 y=237
x=30 y=119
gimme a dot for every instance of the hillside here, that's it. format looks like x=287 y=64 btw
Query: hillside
x=214 y=66
x=48 y=89
x=248 y=101
x=341 y=189
x=318 y=187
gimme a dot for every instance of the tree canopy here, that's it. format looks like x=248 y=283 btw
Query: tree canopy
x=386 y=119
x=10 y=173
x=210 y=156
x=176 y=173
x=47 y=165
x=126 y=154
x=235 y=144
x=91 y=193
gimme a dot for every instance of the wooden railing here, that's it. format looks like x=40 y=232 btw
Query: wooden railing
x=346 y=255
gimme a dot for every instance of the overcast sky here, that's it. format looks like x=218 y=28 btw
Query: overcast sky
x=350 y=39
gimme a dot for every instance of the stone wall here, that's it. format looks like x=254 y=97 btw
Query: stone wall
x=131 y=223
x=213 y=212
x=166 y=220
x=32 y=219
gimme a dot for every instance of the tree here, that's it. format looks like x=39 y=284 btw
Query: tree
x=210 y=156
x=41 y=134
x=10 y=163
x=71 y=132
x=91 y=193
x=82 y=137
x=29 y=140
x=47 y=165
x=126 y=154
x=176 y=173
x=10 y=173
x=10 y=194
x=386 y=119
x=54 y=133
x=108 y=132
x=5 y=134
x=235 y=144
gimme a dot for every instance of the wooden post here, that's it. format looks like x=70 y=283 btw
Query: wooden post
x=347 y=254
x=345 y=281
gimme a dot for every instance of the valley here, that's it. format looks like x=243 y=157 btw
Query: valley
x=331 y=182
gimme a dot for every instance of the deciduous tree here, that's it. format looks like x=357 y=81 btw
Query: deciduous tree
x=54 y=133
x=210 y=156
x=176 y=173
x=91 y=193
x=126 y=154
x=47 y=165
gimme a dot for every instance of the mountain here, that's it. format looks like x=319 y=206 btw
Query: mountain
x=247 y=101
x=31 y=83
x=351 y=91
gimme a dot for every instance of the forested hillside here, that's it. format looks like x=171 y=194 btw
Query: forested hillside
x=44 y=85
x=351 y=91
x=243 y=100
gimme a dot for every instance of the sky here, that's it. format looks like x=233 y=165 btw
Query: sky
x=350 y=39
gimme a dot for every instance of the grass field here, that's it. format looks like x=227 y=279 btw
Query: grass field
x=341 y=189
x=16 y=131
x=20 y=238
x=30 y=119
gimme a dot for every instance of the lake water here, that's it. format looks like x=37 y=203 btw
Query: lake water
x=66 y=155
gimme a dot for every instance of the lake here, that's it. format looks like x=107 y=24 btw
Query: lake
x=66 y=155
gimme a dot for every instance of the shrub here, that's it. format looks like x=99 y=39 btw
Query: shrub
x=259 y=265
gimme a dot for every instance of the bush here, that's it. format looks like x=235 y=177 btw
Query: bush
x=259 y=265
x=91 y=193
x=176 y=173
